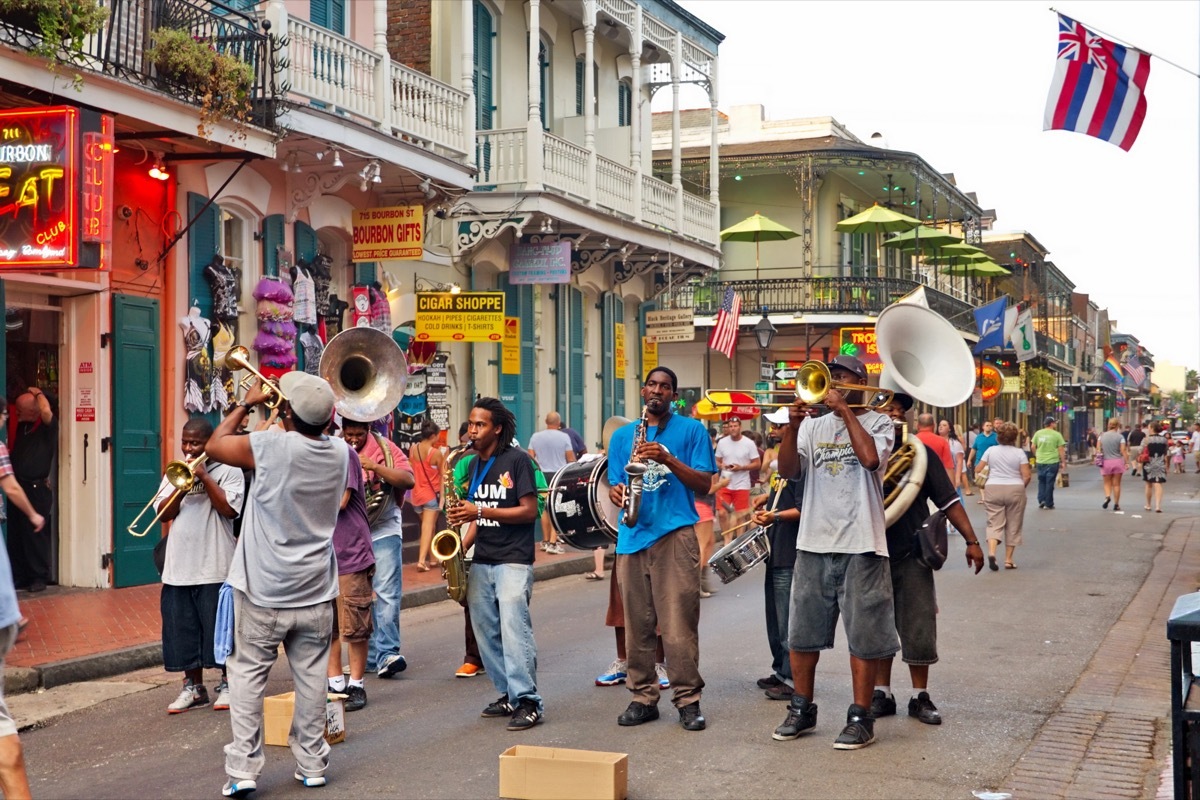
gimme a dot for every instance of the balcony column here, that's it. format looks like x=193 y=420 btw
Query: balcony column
x=714 y=147
x=533 y=128
x=467 y=81
x=676 y=153
x=589 y=96
x=383 y=70
x=277 y=15
x=635 y=102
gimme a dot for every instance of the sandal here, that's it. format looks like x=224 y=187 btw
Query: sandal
x=1009 y=565
x=422 y=566
x=591 y=576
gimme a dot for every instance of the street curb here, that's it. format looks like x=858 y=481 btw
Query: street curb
x=18 y=680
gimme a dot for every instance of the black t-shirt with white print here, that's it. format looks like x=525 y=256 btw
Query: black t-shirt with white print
x=509 y=478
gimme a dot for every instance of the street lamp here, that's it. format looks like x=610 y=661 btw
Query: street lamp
x=764 y=331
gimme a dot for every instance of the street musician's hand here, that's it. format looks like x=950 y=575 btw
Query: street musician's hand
x=652 y=451
x=616 y=494
x=256 y=395
x=797 y=412
x=369 y=465
x=199 y=470
x=763 y=517
x=836 y=401
x=462 y=513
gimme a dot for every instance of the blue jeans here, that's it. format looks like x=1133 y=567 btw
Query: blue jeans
x=777 y=590
x=385 y=611
x=498 y=597
x=1047 y=474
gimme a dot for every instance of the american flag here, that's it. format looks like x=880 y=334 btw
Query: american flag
x=1135 y=369
x=1098 y=88
x=725 y=333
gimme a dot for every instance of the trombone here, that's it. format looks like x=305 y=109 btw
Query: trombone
x=813 y=383
x=238 y=357
x=181 y=475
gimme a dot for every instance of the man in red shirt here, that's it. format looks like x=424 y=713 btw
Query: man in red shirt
x=927 y=434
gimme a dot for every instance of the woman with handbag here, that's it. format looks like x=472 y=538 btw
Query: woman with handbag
x=1153 y=460
x=426 y=459
x=1008 y=474
x=1113 y=459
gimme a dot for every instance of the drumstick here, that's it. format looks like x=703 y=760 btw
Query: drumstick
x=739 y=527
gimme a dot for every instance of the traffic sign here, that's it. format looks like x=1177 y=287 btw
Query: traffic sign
x=787 y=374
x=766 y=370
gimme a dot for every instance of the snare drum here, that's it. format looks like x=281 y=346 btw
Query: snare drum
x=736 y=558
x=580 y=508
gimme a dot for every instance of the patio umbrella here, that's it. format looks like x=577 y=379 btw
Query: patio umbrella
x=757 y=229
x=878 y=220
x=922 y=237
x=977 y=269
x=726 y=406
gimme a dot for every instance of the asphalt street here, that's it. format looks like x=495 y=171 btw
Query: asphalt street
x=1012 y=644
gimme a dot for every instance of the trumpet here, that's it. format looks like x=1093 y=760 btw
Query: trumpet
x=238 y=357
x=181 y=475
x=813 y=383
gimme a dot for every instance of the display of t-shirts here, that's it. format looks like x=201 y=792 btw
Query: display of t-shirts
x=224 y=284
x=313 y=347
x=381 y=311
x=843 y=500
x=305 y=293
x=322 y=275
x=196 y=385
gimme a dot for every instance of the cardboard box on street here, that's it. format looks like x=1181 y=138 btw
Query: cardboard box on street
x=556 y=773
x=277 y=718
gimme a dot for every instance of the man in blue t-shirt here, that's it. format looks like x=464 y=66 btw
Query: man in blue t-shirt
x=657 y=558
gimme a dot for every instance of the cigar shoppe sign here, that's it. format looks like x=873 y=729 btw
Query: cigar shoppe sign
x=56 y=176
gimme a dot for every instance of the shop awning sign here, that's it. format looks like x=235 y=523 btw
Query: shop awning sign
x=671 y=325
x=460 y=317
x=540 y=262
x=395 y=233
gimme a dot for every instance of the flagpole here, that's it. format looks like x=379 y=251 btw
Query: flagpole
x=1128 y=44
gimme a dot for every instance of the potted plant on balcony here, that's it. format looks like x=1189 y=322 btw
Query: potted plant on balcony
x=220 y=82
x=62 y=26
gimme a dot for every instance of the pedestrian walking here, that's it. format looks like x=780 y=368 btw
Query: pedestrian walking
x=1154 y=467
x=1009 y=474
x=1135 y=440
x=426 y=459
x=552 y=450
x=1114 y=460
x=1050 y=453
x=1194 y=443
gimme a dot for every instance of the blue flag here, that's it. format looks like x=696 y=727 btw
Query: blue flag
x=990 y=320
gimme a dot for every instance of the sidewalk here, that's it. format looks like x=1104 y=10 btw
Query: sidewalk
x=83 y=634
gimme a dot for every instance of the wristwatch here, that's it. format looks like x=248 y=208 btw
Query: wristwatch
x=245 y=405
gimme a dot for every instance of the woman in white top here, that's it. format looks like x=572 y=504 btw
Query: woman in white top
x=1004 y=493
x=959 y=454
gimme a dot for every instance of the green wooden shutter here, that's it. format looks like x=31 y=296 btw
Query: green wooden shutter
x=575 y=344
x=484 y=36
x=365 y=273
x=272 y=236
x=579 y=79
x=562 y=370
x=330 y=14
x=606 y=356
x=619 y=380
x=306 y=241
x=202 y=246
x=518 y=392
x=544 y=81
x=624 y=105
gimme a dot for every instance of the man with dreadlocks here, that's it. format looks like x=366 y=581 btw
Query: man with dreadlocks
x=501 y=507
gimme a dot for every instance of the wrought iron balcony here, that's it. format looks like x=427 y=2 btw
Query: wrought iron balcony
x=819 y=296
x=120 y=49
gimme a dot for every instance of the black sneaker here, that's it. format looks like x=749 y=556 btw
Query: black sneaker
x=690 y=717
x=637 y=713
x=859 y=731
x=768 y=682
x=525 y=717
x=923 y=709
x=500 y=708
x=883 y=705
x=801 y=718
x=356 y=698
x=780 y=692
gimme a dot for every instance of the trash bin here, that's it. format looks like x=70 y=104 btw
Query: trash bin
x=1183 y=628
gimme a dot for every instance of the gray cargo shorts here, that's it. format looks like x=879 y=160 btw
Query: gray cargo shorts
x=857 y=586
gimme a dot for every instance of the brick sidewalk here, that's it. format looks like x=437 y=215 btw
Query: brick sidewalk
x=67 y=624
x=1108 y=738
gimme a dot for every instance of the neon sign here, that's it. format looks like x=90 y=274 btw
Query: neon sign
x=55 y=189
x=991 y=381
x=860 y=343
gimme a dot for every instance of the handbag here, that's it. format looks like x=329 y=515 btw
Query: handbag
x=981 y=474
x=931 y=541
x=1099 y=459
x=1144 y=456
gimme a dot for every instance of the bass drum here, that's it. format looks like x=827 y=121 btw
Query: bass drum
x=580 y=509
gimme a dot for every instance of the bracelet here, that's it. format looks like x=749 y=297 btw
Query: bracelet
x=479 y=513
x=973 y=544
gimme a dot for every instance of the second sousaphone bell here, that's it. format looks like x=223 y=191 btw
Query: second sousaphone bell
x=367 y=371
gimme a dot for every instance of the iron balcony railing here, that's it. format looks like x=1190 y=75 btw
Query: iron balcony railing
x=818 y=296
x=121 y=46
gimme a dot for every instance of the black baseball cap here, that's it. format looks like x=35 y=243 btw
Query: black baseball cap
x=848 y=363
x=903 y=399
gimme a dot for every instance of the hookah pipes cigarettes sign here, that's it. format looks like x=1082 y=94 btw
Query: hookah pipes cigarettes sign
x=56 y=175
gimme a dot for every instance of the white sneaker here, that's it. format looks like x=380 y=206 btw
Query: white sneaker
x=661 y=671
x=192 y=696
x=239 y=788
x=222 y=702
x=308 y=781
x=556 y=549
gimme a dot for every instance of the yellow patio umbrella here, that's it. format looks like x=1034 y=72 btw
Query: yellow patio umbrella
x=757 y=229
x=878 y=220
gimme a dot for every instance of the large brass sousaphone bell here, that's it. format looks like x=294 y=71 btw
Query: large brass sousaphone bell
x=367 y=371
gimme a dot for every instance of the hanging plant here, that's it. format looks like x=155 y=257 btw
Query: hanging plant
x=1039 y=382
x=220 y=82
x=63 y=27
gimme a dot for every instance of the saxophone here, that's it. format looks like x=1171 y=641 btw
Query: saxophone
x=446 y=546
x=634 y=470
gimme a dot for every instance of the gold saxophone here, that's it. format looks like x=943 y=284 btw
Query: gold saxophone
x=634 y=470
x=446 y=546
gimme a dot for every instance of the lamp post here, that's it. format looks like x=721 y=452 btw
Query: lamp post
x=764 y=331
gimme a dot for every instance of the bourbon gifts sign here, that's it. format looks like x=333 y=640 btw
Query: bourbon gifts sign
x=56 y=176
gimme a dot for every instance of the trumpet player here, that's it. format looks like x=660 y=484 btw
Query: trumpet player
x=386 y=470
x=658 y=557
x=199 y=550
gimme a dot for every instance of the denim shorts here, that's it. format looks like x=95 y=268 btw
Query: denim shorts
x=432 y=505
x=856 y=585
x=189 y=620
x=8 y=637
x=915 y=598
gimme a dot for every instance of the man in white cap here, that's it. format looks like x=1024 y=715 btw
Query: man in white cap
x=283 y=573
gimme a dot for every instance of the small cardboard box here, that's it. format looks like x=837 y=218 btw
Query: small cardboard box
x=277 y=718
x=556 y=773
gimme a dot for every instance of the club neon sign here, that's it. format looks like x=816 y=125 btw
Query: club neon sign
x=56 y=175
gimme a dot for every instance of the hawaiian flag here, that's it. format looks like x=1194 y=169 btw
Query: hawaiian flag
x=725 y=333
x=1135 y=369
x=1098 y=88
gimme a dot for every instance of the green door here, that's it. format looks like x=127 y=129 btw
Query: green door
x=137 y=434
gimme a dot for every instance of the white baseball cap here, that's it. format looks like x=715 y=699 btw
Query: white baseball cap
x=779 y=416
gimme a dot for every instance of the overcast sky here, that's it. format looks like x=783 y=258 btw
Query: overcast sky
x=964 y=85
